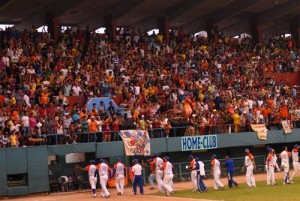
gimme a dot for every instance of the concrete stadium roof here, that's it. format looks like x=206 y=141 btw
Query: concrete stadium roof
x=230 y=16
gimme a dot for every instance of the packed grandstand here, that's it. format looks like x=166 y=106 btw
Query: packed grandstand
x=190 y=85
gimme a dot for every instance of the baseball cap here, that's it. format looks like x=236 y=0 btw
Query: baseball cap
x=135 y=160
x=214 y=155
x=155 y=154
x=191 y=156
x=118 y=159
x=296 y=146
x=196 y=158
x=101 y=161
x=167 y=158
x=92 y=161
x=150 y=159
x=270 y=149
x=246 y=150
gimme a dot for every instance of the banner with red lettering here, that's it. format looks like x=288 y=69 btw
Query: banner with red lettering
x=260 y=130
x=136 y=142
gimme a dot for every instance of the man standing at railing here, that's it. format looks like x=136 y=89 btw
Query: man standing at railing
x=230 y=171
x=157 y=161
x=192 y=167
x=216 y=172
x=250 y=166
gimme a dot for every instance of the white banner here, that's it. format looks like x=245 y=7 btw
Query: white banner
x=260 y=130
x=136 y=142
x=286 y=126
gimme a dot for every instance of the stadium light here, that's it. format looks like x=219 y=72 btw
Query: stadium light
x=156 y=31
x=5 y=26
x=101 y=30
x=42 y=29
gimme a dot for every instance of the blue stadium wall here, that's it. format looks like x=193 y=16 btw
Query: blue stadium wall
x=33 y=161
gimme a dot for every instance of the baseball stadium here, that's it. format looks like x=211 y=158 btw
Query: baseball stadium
x=149 y=100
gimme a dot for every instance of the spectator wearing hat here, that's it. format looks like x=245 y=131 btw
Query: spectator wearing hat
x=167 y=169
x=119 y=172
x=216 y=172
x=295 y=158
x=138 y=179
x=192 y=167
x=152 y=175
x=250 y=167
x=92 y=173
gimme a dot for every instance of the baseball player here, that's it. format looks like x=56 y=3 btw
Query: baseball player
x=285 y=156
x=295 y=158
x=270 y=168
x=199 y=167
x=193 y=172
x=250 y=166
x=92 y=171
x=167 y=169
x=230 y=172
x=216 y=172
x=104 y=172
x=138 y=179
x=119 y=173
x=152 y=175
x=157 y=161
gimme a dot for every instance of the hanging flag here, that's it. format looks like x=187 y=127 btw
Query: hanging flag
x=286 y=126
x=136 y=142
x=260 y=130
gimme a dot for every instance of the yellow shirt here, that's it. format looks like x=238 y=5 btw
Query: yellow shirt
x=13 y=140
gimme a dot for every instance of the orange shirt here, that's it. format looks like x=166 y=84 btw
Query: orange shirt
x=93 y=126
x=152 y=167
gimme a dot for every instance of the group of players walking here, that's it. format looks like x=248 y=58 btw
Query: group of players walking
x=162 y=171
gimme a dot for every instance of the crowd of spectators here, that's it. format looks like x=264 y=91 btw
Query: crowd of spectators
x=212 y=86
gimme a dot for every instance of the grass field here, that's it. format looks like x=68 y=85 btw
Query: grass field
x=261 y=193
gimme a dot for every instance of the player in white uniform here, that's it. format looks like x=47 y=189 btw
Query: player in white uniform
x=167 y=169
x=270 y=167
x=216 y=172
x=285 y=157
x=92 y=171
x=159 y=174
x=250 y=166
x=193 y=172
x=295 y=158
x=104 y=172
x=120 y=174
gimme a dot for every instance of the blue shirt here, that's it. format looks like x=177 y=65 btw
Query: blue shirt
x=229 y=165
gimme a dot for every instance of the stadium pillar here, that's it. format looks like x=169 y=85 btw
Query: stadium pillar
x=111 y=26
x=256 y=30
x=164 y=28
x=295 y=30
x=53 y=25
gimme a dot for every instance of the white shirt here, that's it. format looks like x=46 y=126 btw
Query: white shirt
x=119 y=168
x=295 y=156
x=216 y=165
x=158 y=163
x=284 y=155
x=137 y=169
x=25 y=121
x=76 y=90
x=201 y=168
x=91 y=169
x=248 y=160
x=168 y=168
x=103 y=169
